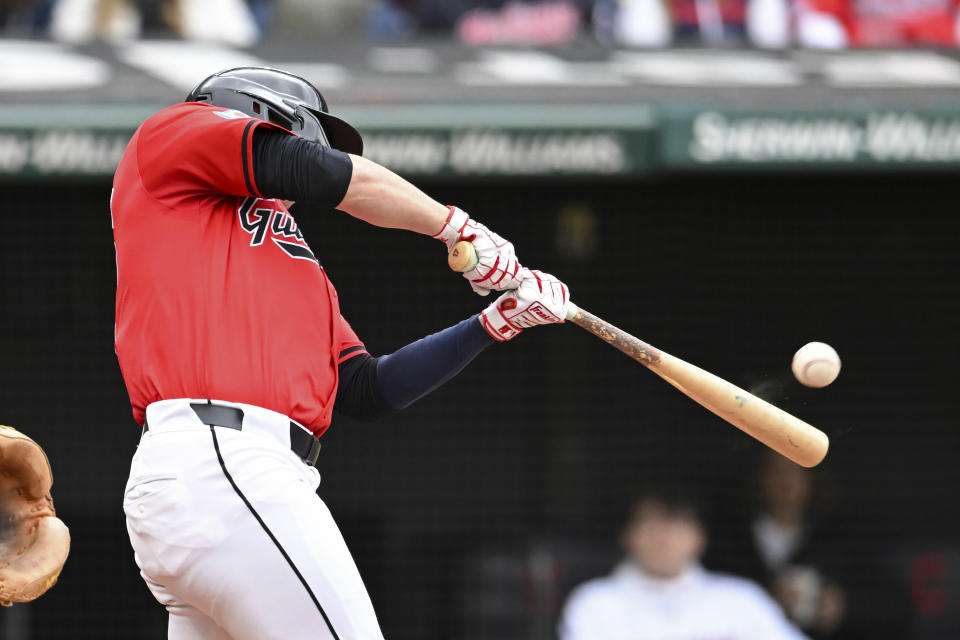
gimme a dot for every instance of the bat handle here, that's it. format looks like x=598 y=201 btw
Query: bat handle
x=463 y=258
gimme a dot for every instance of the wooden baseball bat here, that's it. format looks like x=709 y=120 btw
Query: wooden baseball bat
x=788 y=435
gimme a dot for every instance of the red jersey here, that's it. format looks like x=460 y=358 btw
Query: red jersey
x=218 y=294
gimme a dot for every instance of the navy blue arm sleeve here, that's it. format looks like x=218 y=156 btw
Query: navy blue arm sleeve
x=371 y=388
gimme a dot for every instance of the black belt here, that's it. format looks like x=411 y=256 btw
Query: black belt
x=302 y=442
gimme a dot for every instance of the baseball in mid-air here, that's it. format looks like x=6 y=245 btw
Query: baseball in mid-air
x=816 y=364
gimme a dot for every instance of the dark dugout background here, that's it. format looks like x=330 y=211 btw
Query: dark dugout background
x=472 y=513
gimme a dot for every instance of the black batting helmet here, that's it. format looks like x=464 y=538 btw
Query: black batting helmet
x=280 y=97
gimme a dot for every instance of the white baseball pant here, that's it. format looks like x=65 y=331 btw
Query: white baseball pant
x=231 y=537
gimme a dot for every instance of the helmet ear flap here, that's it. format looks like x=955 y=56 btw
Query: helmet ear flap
x=311 y=120
x=278 y=119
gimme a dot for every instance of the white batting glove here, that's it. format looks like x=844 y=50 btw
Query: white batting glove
x=497 y=266
x=540 y=299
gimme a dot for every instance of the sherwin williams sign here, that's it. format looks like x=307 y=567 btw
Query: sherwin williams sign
x=871 y=137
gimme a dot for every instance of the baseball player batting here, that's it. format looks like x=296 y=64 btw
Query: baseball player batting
x=235 y=353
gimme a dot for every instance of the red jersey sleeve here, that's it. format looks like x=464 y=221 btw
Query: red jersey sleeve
x=193 y=149
x=350 y=344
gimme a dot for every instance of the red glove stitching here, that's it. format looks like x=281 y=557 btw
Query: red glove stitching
x=491 y=272
x=447 y=221
x=501 y=277
x=493 y=333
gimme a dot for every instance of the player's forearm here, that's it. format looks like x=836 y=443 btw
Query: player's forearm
x=421 y=367
x=371 y=388
x=382 y=198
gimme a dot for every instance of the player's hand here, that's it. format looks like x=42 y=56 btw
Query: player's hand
x=497 y=266
x=540 y=299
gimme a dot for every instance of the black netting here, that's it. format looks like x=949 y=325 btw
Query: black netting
x=471 y=518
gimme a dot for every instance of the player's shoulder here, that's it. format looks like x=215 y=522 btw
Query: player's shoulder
x=735 y=587
x=595 y=592
x=191 y=116
x=745 y=598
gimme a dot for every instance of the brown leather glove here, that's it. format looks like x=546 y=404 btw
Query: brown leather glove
x=34 y=542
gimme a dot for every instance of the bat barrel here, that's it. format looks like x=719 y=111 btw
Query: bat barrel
x=788 y=435
x=784 y=433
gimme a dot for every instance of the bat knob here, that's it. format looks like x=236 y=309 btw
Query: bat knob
x=462 y=257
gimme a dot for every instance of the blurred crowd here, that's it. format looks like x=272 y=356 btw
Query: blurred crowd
x=769 y=24
x=823 y=24
x=780 y=569
x=235 y=22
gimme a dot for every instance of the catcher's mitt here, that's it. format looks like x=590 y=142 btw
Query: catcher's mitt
x=34 y=542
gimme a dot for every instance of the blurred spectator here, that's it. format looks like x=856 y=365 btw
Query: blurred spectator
x=782 y=548
x=656 y=23
x=660 y=592
x=546 y=23
x=633 y=23
x=25 y=15
x=833 y=577
x=483 y=22
x=837 y=24
x=228 y=21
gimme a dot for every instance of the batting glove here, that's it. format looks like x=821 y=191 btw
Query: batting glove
x=540 y=299
x=497 y=266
